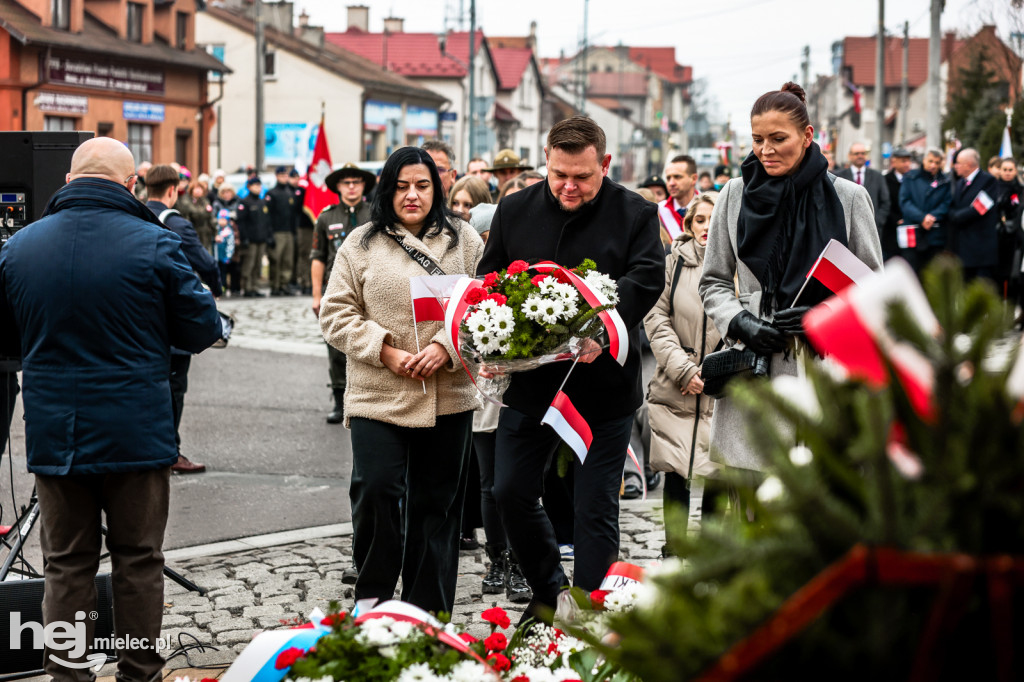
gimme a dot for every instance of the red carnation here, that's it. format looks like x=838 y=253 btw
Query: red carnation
x=597 y=598
x=537 y=279
x=490 y=279
x=521 y=678
x=497 y=298
x=562 y=277
x=286 y=658
x=497 y=616
x=496 y=642
x=499 y=662
x=467 y=638
x=333 y=619
x=517 y=266
x=552 y=648
x=474 y=296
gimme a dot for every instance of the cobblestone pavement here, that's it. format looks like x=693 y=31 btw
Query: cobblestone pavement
x=257 y=589
x=283 y=324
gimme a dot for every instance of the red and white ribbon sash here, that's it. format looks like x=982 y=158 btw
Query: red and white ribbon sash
x=670 y=220
x=404 y=611
x=618 y=336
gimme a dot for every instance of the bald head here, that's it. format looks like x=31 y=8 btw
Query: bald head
x=102 y=157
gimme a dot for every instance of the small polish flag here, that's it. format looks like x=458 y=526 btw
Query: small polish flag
x=837 y=267
x=669 y=219
x=620 y=575
x=569 y=425
x=430 y=294
x=982 y=203
x=851 y=329
x=906 y=236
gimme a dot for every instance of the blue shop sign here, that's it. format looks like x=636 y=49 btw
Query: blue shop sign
x=143 y=111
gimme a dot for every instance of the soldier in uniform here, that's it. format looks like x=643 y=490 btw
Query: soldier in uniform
x=352 y=184
x=507 y=165
x=256 y=234
x=282 y=205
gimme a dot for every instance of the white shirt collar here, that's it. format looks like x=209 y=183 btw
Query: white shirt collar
x=970 y=178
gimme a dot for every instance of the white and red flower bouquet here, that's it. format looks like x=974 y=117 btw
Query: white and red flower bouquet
x=524 y=316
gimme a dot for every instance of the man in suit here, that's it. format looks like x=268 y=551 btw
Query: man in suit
x=872 y=181
x=899 y=166
x=974 y=217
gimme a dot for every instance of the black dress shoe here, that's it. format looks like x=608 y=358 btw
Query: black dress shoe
x=653 y=480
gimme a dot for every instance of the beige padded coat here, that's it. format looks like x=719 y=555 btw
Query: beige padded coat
x=676 y=342
x=368 y=303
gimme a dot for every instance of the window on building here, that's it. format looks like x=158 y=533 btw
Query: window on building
x=135 y=12
x=182 y=138
x=181 y=30
x=60 y=10
x=58 y=123
x=217 y=50
x=140 y=142
x=270 y=65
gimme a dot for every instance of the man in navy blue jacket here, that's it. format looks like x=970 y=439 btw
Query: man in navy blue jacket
x=162 y=187
x=924 y=200
x=92 y=297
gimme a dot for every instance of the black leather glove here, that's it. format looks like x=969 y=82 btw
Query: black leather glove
x=790 y=321
x=756 y=334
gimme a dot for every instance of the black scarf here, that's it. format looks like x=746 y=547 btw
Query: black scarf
x=784 y=224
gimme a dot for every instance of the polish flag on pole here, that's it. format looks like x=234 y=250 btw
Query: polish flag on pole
x=982 y=203
x=837 y=268
x=851 y=329
x=318 y=195
x=570 y=426
x=430 y=294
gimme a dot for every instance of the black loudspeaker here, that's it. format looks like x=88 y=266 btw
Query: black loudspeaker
x=25 y=597
x=33 y=165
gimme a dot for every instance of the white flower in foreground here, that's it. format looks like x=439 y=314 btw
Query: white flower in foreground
x=402 y=629
x=502 y=321
x=418 y=672
x=532 y=307
x=801 y=455
x=616 y=601
x=468 y=671
x=799 y=393
x=647 y=596
x=603 y=283
x=479 y=322
x=551 y=311
x=487 y=342
x=771 y=490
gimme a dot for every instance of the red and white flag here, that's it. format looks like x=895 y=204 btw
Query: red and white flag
x=569 y=425
x=851 y=329
x=982 y=203
x=430 y=294
x=837 y=267
x=671 y=221
x=318 y=195
x=906 y=236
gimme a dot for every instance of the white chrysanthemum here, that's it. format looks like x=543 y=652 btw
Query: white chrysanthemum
x=801 y=455
x=487 y=305
x=603 y=283
x=468 y=671
x=388 y=651
x=547 y=285
x=615 y=601
x=487 y=342
x=647 y=596
x=418 y=672
x=503 y=322
x=800 y=393
x=771 y=489
x=532 y=307
x=479 y=322
x=551 y=311
x=566 y=292
x=402 y=629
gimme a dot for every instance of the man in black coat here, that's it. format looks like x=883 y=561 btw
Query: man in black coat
x=899 y=166
x=577 y=213
x=162 y=190
x=974 y=217
x=871 y=180
x=257 y=235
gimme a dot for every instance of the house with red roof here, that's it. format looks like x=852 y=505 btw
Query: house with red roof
x=440 y=65
x=367 y=110
x=520 y=100
x=645 y=85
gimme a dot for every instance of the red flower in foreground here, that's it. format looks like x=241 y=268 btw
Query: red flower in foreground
x=333 y=619
x=561 y=277
x=490 y=279
x=552 y=648
x=497 y=298
x=286 y=658
x=537 y=279
x=497 y=616
x=467 y=638
x=521 y=678
x=517 y=266
x=597 y=598
x=474 y=296
x=499 y=662
x=559 y=634
x=496 y=642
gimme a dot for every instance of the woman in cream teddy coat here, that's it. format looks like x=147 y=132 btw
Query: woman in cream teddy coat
x=408 y=403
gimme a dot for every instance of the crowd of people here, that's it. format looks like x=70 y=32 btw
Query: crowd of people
x=703 y=263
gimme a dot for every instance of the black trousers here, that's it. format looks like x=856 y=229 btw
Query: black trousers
x=524 y=449
x=483 y=448
x=8 y=396
x=179 y=385
x=418 y=474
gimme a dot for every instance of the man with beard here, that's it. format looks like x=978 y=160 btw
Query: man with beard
x=577 y=213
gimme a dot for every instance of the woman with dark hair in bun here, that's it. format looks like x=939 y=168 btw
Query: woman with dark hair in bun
x=767 y=230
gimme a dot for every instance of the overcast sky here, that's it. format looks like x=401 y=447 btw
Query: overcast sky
x=742 y=47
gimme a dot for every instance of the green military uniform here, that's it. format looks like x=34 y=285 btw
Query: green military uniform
x=334 y=224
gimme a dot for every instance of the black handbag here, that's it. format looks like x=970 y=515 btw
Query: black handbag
x=721 y=367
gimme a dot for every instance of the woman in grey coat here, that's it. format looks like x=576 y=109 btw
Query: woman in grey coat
x=768 y=228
